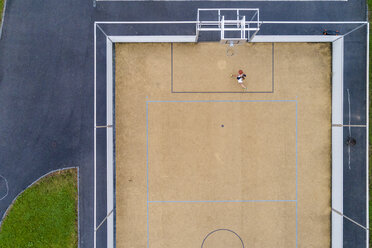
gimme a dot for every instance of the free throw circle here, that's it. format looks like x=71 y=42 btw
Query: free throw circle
x=222 y=238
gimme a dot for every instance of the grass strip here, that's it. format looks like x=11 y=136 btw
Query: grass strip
x=44 y=215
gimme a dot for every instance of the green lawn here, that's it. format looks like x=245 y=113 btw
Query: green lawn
x=44 y=215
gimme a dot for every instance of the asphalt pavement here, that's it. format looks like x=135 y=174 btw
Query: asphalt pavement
x=46 y=87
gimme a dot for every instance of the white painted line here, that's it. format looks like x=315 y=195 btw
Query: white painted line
x=95 y=140
x=349 y=147
x=146 y=22
x=228 y=9
x=103 y=32
x=149 y=38
x=355 y=29
x=314 y=22
x=107 y=126
x=262 y=22
x=294 y=38
x=349 y=219
x=103 y=221
x=340 y=125
x=7 y=188
x=367 y=141
x=222 y=0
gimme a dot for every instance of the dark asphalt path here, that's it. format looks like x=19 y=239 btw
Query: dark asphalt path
x=46 y=97
x=46 y=81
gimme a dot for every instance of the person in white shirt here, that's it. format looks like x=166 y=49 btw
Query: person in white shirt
x=241 y=76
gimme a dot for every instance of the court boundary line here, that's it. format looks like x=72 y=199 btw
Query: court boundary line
x=96 y=23
x=367 y=139
x=217 y=101
x=222 y=201
x=147 y=173
x=297 y=178
x=95 y=139
x=94 y=1
x=151 y=101
x=223 y=92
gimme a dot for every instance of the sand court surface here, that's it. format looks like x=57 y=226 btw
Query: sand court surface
x=254 y=222
x=217 y=147
x=200 y=67
x=222 y=169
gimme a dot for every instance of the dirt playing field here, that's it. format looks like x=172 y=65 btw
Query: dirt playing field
x=202 y=163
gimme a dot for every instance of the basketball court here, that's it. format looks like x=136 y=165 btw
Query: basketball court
x=202 y=163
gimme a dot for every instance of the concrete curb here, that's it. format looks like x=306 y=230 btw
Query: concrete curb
x=2 y=21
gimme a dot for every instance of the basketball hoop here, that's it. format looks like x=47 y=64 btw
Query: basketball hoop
x=237 y=25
